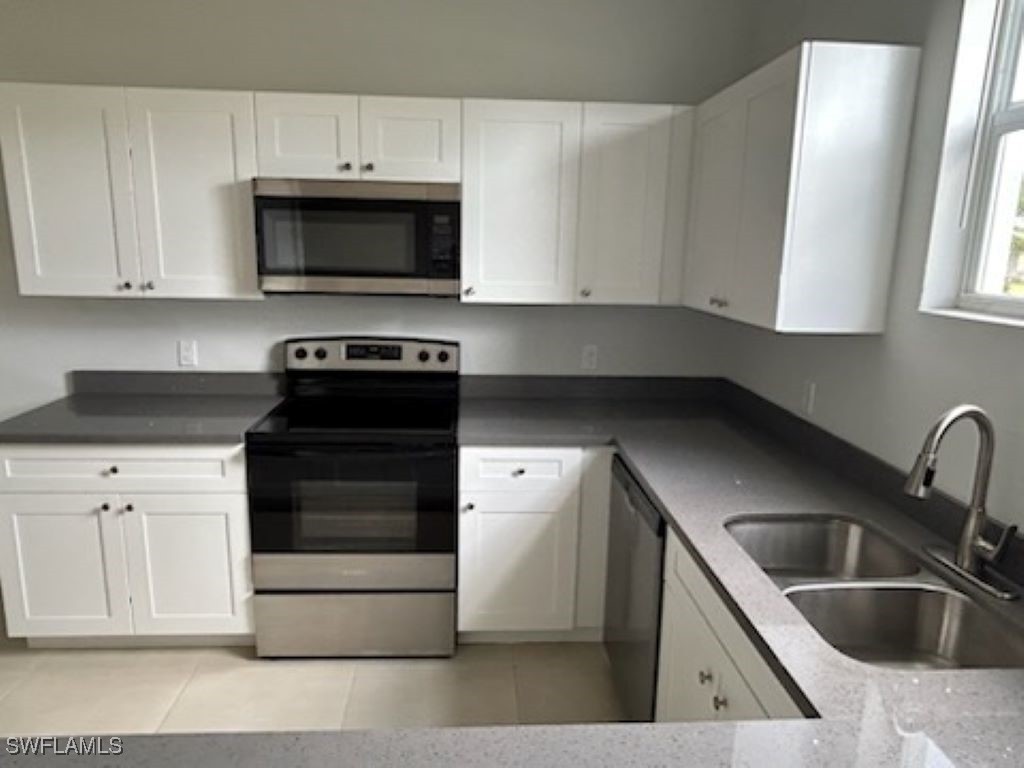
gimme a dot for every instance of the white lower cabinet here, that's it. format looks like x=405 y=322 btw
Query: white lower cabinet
x=708 y=669
x=518 y=538
x=188 y=564
x=119 y=555
x=63 y=566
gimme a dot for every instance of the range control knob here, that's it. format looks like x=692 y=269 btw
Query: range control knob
x=424 y=356
x=443 y=357
x=301 y=353
x=321 y=353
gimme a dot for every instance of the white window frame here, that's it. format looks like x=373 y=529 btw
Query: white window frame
x=999 y=117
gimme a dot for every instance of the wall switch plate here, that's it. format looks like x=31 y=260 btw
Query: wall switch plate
x=188 y=353
x=588 y=362
x=810 y=395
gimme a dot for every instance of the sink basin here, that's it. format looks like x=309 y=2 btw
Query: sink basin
x=810 y=546
x=909 y=627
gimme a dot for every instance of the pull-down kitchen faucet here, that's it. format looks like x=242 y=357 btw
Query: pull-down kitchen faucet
x=973 y=547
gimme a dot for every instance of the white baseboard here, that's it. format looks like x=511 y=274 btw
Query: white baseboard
x=133 y=641
x=580 y=635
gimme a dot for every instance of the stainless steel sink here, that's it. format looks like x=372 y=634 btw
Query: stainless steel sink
x=811 y=546
x=908 y=626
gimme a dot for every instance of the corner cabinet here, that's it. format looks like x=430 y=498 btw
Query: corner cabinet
x=708 y=668
x=796 y=188
x=124 y=540
x=129 y=193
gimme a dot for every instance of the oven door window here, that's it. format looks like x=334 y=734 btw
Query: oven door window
x=355 y=516
x=352 y=501
x=337 y=238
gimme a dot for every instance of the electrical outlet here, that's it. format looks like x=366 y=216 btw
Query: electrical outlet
x=588 y=362
x=188 y=353
x=810 y=395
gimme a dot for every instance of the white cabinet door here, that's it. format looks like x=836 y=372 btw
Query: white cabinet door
x=67 y=169
x=520 y=201
x=307 y=135
x=188 y=561
x=62 y=565
x=770 y=109
x=622 y=202
x=685 y=678
x=407 y=139
x=193 y=159
x=715 y=203
x=517 y=560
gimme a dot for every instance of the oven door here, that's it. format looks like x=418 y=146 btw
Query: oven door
x=357 y=499
x=341 y=245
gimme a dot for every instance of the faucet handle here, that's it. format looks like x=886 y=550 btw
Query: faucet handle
x=993 y=553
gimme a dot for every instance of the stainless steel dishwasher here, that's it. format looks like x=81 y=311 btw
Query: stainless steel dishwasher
x=636 y=550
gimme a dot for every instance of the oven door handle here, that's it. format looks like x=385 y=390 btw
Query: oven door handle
x=398 y=452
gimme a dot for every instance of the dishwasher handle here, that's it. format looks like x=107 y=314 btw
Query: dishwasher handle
x=638 y=500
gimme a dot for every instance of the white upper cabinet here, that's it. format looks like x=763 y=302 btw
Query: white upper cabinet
x=62 y=565
x=383 y=138
x=797 y=182
x=307 y=135
x=67 y=169
x=409 y=139
x=194 y=157
x=622 y=202
x=520 y=200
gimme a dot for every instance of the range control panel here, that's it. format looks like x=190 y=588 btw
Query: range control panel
x=344 y=353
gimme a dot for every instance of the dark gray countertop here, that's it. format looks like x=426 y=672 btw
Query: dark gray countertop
x=139 y=418
x=702 y=466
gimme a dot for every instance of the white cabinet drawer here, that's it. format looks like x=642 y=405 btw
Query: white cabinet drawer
x=219 y=469
x=519 y=469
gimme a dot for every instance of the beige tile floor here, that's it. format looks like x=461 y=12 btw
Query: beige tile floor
x=193 y=690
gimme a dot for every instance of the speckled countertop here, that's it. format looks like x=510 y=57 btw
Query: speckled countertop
x=702 y=467
x=139 y=418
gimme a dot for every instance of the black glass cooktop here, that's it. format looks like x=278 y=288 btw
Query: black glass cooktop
x=351 y=418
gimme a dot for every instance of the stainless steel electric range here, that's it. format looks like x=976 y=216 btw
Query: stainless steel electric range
x=352 y=501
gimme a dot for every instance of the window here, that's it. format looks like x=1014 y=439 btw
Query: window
x=994 y=274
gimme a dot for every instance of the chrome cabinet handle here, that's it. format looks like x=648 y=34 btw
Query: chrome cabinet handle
x=345 y=167
x=113 y=470
x=368 y=167
x=105 y=507
x=719 y=703
x=125 y=286
x=149 y=285
x=469 y=291
x=129 y=508
x=585 y=293
x=704 y=677
x=469 y=507
x=518 y=472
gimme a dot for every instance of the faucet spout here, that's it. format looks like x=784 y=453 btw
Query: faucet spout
x=972 y=544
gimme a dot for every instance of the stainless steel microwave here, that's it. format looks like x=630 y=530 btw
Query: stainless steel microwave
x=357 y=237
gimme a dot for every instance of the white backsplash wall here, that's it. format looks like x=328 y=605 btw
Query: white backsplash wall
x=883 y=393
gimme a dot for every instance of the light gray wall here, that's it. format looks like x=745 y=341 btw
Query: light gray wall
x=882 y=393
x=634 y=50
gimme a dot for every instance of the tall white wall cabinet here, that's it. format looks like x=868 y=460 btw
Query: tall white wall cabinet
x=796 y=188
